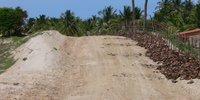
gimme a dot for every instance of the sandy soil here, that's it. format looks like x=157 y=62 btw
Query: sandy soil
x=88 y=68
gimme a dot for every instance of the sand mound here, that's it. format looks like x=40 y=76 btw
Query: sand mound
x=40 y=52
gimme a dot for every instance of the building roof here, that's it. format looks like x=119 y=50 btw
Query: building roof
x=191 y=31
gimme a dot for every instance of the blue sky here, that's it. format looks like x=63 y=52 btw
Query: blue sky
x=82 y=8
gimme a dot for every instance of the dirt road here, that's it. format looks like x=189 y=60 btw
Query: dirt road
x=96 y=68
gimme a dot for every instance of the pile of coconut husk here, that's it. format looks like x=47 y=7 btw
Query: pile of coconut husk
x=174 y=64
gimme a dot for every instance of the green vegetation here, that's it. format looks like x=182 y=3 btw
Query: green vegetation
x=55 y=48
x=68 y=24
x=5 y=83
x=7 y=26
x=182 y=16
x=6 y=59
x=24 y=59
x=12 y=21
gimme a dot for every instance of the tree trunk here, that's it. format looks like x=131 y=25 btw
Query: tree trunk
x=145 y=15
x=133 y=5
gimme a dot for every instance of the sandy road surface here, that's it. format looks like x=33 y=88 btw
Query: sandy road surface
x=96 y=68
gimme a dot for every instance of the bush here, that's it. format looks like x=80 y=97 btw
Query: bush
x=24 y=59
x=12 y=21
x=9 y=19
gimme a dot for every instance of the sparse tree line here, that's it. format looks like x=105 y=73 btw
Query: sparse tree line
x=181 y=15
x=67 y=24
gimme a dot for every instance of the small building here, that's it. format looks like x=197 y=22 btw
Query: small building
x=191 y=34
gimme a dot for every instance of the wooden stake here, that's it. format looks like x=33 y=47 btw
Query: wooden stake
x=179 y=47
x=172 y=39
x=199 y=51
x=196 y=48
x=192 y=48
x=182 y=42
x=170 y=36
x=185 y=44
x=189 y=48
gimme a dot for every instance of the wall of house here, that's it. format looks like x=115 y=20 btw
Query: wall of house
x=194 y=35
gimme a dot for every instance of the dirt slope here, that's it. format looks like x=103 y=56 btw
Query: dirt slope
x=89 y=68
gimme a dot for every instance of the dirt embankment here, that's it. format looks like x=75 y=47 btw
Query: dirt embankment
x=88 y=68
x=34 y=59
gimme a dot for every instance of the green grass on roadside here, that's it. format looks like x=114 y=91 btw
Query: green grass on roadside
x=6 y=58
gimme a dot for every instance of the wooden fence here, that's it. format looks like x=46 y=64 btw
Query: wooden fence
x=175 y=40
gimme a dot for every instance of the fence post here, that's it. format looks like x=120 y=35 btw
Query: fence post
x=199 y=51
x=172 y=39
x=152 y=26
x=166 y=31
x=182 y=45
x=175 y=41
x=139 y=25
x=181 y=40
x=179 y=43
x=196 y=48
x=192 y=48
x=149 y=30
x=189 y=52
x=132 y=27
x=168 y=36
x=185 y=44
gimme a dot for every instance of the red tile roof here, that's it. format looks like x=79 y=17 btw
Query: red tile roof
x=191 y=31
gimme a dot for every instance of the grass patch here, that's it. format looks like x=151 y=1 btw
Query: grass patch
x=6 y=58
x=5 y=83
x=55 y=49
x=24 y=59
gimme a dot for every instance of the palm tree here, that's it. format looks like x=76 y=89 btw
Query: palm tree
x=52 y=24
x=67 y=23
x=126 y=14
x=177 y=4
x=197 y=15
x=114 y=24
x=133 y=7
x=30 y=23
x=40 y=22
x=145 y=15
x=94 y=18
x=19 y=28
x=108 y=13
x=138 y=13
x=88 y=24
x=163 y=4
x=188 y=5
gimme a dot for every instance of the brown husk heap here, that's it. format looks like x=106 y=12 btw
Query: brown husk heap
x=174 y=64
